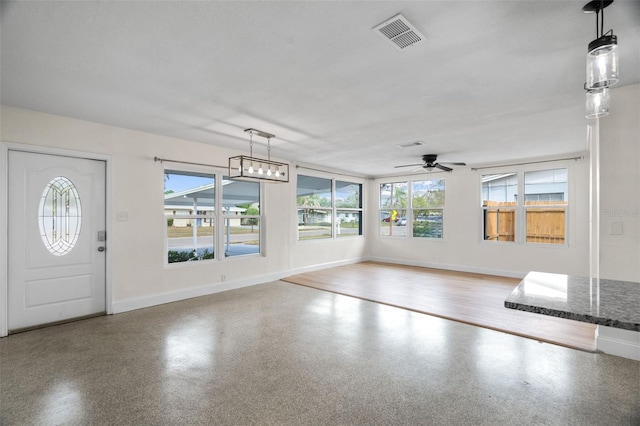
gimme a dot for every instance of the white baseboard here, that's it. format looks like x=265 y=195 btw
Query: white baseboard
x=459 y=268
x=615 y=341
x=188 y=293
x=321 y=266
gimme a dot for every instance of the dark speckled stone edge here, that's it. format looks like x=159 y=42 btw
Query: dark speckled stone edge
x=574 y=316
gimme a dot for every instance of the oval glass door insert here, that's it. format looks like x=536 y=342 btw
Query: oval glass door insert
x=60 y=216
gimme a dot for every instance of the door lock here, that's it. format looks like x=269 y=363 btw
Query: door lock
x=101 y=249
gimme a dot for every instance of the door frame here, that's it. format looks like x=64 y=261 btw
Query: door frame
x=5 y=147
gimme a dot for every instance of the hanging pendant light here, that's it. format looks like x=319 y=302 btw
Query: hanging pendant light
x=602 y=53
x=242 y=167
x=597 y=104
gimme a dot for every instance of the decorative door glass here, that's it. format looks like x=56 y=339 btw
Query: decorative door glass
x=60 y=216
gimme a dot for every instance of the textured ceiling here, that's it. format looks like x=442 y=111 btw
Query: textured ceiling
x=494 y=81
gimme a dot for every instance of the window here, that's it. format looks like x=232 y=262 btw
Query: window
x=348 y=196
x=313 y=198
x=427 y=203
x=499 y=195
x=190 y=213
x=539 y=218
x=60 y=216
x=421 y=218
x=393 y=209
x=241 y=207
x=545 y=205
x=326 y=204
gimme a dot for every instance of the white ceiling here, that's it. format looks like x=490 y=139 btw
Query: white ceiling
x=494 y=81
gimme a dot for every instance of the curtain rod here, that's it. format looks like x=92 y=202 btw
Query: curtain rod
x=298 y=166
x=162 y=160
x=530 y=162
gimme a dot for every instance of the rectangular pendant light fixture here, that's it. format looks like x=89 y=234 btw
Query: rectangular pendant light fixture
x=250 y=168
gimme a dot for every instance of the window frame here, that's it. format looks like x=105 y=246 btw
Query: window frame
x=225 y=216
x=218 y=217
x=520 y=209
x=414 y=209
x=409 y=211
x=349 y=210
x=332 y=211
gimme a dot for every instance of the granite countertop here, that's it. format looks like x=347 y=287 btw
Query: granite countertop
x=605 y=302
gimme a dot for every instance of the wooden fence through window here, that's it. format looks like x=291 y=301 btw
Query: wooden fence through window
x=543 y=224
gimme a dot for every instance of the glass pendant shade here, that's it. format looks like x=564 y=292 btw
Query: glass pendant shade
x=602 y=62
x=597 y=103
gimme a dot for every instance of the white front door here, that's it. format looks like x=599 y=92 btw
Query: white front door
x=56 y=239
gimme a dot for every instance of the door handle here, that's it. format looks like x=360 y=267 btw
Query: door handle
x=101 y=249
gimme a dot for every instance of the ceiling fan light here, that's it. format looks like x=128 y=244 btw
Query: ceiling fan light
x=602 y=62
x=597 y=103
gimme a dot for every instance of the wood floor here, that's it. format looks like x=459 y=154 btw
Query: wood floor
x=466 y=297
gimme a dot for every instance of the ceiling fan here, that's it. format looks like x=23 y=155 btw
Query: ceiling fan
x=429 y=162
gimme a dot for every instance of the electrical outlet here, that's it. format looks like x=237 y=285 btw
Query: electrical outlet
x=223 y=277
x=616 y=228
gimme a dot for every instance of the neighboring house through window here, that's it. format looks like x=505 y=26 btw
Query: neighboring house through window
x=540 y=218
x=189 y=205
x=190 y=202
x=328 y=208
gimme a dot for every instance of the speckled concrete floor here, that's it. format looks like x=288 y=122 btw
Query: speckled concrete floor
x=288 y=355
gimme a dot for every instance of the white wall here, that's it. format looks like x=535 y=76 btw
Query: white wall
x=316 y=254
x=137 y=245
x=139 y=275
x=620 y=186
x=462 y=247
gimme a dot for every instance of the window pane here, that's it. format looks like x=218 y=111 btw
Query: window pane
x=500 y=189
x=240 y=197
x=60 y=216
x=427 y=193
x=348 y=195
x=348 y=223
x=190 y=195
x=393 y=223
x=313 y=192
x=499 y=224
x=242 y=236
x=545 y=187
x=427 y=223
x=546 y=225
x=313 y=198
x=393 y=195
x=190 y=243
x=241 y=205
x=314 y=223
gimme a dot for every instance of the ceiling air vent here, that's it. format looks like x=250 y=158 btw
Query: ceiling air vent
x=411 y=144
x=399 y=32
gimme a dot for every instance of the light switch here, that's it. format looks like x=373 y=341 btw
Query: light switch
x=616 y=228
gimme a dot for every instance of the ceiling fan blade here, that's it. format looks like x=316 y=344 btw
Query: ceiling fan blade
x=441 y=167
x=453 y=164
x=409 y=165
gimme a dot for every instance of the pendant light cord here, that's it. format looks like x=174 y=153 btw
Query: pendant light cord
x=600 y=20
x=269 y=149
x=251 y=144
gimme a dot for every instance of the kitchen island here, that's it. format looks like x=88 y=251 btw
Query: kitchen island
x=611 y=303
